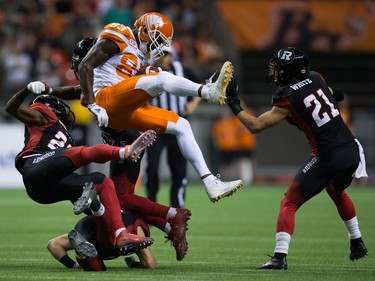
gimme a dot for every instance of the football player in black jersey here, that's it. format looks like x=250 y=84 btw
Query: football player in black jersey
x=304 y=100
x=49 y=158
x=89 y=239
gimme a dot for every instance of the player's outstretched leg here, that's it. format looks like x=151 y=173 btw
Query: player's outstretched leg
x=83 y=247
x=133 y=152
x=88 y=196
x=217 y=89
x=126 y=243
x=218 y=189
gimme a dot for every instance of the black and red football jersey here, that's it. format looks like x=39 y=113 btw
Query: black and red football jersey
x=314 y=111
x=39 y=139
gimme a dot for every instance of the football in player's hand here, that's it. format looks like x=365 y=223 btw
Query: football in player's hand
x=148 y=69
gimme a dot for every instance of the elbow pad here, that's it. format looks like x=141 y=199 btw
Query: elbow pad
x=338 y=95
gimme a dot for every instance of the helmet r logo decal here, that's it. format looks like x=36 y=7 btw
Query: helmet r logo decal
x=286 y=55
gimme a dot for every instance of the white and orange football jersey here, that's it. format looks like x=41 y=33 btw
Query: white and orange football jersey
x=122 y=65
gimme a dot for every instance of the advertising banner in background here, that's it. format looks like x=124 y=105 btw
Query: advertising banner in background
x=11 y=142
x=319 y=26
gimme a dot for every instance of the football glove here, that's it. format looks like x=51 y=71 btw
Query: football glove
x=338 y=95
x=100 y=114
x=39 y=87
x=232 y=97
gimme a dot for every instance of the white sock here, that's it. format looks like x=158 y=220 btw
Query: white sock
x=167 y=227
x=171 y=213
x=99 y=212
x=121 y=153
x=282 y=242
x=118 y=231
x=353 y=228
x=188 y=145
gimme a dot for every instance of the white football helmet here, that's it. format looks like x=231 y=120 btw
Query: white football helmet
x=155 y=30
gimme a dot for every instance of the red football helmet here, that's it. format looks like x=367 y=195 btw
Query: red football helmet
x=156 y=30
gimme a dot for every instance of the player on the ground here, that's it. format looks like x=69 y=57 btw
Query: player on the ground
x=117 y=96
x=89 y=239
x=305 y=101
x=48 y=161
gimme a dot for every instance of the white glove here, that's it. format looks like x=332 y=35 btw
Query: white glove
x=100 y=114
x=39 y=87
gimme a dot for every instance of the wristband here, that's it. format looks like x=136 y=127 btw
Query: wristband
x=22 y=94
x=235 y=106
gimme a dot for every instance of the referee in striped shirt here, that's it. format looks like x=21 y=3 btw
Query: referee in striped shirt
x=177 y=163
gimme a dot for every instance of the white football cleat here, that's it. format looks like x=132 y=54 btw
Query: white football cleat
x=218 y=189
x=133 y=152
x=217 y=90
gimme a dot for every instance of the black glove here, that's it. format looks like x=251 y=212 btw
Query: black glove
x=232 y=97
x=338 y=95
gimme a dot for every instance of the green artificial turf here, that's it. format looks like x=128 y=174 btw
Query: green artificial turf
x=227 y=240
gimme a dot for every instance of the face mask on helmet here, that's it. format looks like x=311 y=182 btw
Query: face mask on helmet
x=287 y=65
x=61 y=109
x=154 y=31
x=80 y=51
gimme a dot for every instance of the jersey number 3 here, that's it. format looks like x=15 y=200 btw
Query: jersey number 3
x=316 y=101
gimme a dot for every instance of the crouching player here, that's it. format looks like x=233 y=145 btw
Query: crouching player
x=89 y=239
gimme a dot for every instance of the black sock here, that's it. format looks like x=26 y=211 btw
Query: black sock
x=279 y=256
x=95 y=205
x=67 y=261
x=205 y=176
x=200 y=91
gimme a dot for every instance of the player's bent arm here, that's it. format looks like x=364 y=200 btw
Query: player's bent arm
x=23 y=113
x=264 y=121
x=67 y=92
x=58 y=247
x=97 y=55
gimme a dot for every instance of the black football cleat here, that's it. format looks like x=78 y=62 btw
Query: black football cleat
x=357 y=250
x=88 y=196
x=275 y=263
x=84 y=248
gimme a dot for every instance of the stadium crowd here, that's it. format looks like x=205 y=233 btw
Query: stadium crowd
x=37 y=37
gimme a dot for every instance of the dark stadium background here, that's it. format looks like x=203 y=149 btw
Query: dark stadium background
x=338 y=35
